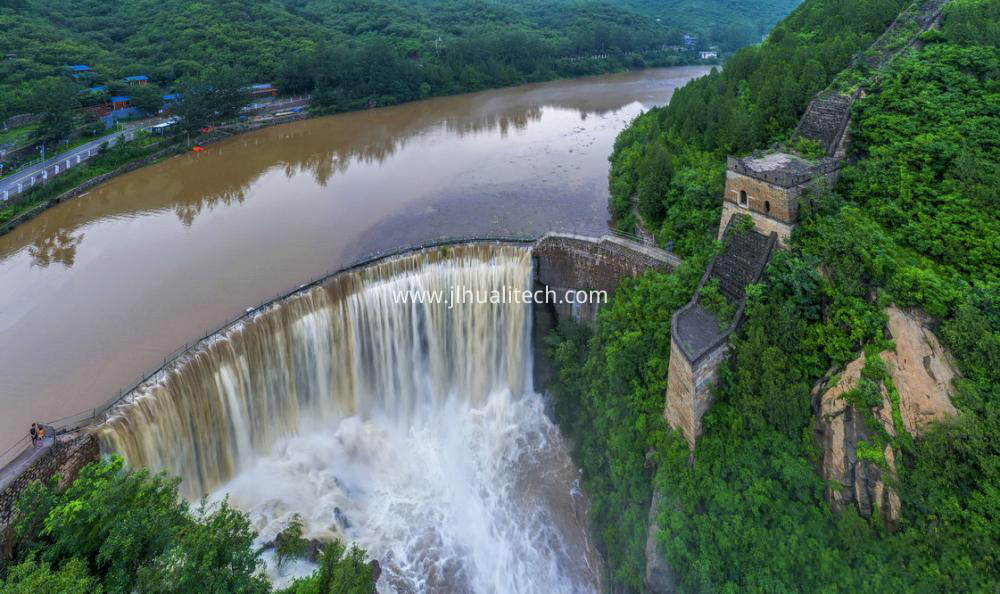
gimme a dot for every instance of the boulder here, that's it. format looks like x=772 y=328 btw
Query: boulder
x=839 y=428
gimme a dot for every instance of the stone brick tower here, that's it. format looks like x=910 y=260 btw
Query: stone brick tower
x=699 y=341
x=769 y=189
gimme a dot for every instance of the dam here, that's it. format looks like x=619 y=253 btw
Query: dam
x=411 y=429
x=424 y=440
x=415 y=429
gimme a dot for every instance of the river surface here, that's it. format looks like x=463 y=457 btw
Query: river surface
x=96 y=291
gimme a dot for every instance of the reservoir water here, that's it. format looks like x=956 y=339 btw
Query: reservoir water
x=96 y=291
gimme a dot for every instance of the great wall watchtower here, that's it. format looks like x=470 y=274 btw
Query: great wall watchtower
x=769 y=189
x=699 y=340
x=766 y=191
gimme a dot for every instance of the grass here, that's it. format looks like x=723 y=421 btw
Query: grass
x=11 y=135
x=84 y=139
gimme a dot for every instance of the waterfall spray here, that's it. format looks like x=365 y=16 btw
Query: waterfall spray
x=411 y=428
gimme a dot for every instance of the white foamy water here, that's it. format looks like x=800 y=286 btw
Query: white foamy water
x=411 y=430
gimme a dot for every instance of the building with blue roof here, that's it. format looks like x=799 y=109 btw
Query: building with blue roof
x=79 y=70
x=262 y=90
x=138 y=79
x=168 y=101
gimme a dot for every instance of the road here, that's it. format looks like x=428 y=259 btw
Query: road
x=38 y=173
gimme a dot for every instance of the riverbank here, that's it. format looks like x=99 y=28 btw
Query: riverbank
x=23 y=208
x=124 y=159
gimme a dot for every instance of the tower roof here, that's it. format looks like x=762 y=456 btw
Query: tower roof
x=782 y=169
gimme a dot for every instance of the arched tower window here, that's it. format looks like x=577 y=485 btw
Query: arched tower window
x=767 y=206
x=743 y=198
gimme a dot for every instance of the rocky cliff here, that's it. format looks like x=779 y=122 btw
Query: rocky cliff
x=864 y=412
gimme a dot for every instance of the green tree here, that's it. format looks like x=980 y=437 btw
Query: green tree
x=214 y=554
x=31 y=577
x=341 y=571
x=289 y=542
x=129 y=527
x=215 y=97
x=54 y=100
x=116 y=529
x=148 y=98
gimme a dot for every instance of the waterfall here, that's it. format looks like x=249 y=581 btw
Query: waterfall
x=410 y=428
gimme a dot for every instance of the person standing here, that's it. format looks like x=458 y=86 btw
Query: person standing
x=41 y=435
x=34 y=434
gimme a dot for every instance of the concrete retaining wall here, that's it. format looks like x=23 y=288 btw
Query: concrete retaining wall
x=64 y=458
x=565 y=261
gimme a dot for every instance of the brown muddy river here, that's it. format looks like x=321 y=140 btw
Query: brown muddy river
x=96 y=291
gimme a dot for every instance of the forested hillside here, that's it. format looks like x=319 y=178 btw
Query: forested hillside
x=728 y=23
x=755 y=100
x=355 y=52
x=909 y=224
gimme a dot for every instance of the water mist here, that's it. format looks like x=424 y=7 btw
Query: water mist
x=411 y=429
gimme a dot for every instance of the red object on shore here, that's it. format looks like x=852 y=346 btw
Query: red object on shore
x=208 y=129
x=198 y=148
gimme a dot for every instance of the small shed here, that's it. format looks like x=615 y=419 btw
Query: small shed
x=263 y=90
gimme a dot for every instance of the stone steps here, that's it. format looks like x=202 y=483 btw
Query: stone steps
x=825 y=120
x=737 y=265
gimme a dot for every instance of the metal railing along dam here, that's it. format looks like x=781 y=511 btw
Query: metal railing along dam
x=97 y=415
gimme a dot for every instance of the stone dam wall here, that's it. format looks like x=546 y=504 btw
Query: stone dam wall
x=563 y=262
x=566 y=262
x=63 y=458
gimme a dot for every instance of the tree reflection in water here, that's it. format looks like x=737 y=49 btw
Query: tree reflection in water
x=55 y=248
x=325 y=148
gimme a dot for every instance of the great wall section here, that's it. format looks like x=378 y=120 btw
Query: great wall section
x=764 y=189
x=762 y=196
x=761 y=201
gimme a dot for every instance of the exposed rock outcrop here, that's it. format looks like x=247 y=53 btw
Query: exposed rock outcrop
x=921 y=370
x=840 y=427
x=859 y=465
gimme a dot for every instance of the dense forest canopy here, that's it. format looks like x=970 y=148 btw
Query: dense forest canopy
x=355 y=52
x=910 y=223
x=728 y=23
x=115 y=529
x=755 y=100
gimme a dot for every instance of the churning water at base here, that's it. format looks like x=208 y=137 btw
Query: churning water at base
x=410 y=429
